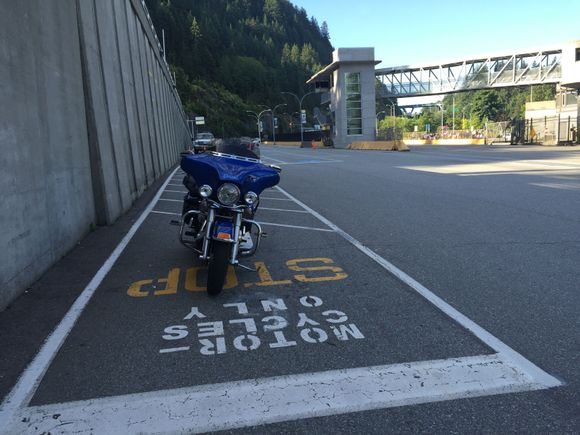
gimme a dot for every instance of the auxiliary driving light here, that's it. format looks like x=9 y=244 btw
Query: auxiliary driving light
x=251 y=198
x=205 y=191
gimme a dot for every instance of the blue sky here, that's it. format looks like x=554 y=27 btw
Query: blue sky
x=410 y=32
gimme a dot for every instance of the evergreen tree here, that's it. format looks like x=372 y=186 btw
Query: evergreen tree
x=243 y=52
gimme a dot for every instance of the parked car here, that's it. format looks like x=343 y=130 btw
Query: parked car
x=251 y=144
x=204 y=142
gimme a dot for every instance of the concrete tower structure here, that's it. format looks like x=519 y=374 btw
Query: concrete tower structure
x=350 y=81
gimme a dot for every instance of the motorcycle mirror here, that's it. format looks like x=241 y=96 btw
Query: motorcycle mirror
x=277 y=168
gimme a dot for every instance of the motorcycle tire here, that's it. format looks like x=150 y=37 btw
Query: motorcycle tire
x=218 y=267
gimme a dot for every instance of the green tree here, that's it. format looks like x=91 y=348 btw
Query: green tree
x=272 y=9
x=245 y=49
x=486 y=105
x=324 y=30
x=195 y=29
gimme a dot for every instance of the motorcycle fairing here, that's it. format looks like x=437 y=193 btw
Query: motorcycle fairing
x=216 y=170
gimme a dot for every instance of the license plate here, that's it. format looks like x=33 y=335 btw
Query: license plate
x=224 y=230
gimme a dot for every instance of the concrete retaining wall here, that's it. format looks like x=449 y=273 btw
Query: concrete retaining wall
x=384 y=145
x=89 y=117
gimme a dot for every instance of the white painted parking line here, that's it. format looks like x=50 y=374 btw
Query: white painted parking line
x=296 y=226
x=165 y=212
x=274 y=160
x=30 y=379
x=276 y=199
x=269 y=400
x=175 y=184
x=283 y=209
x=170 y=200
x=271 y=224
x=175 y=349
x=311 y=162
x=175 y=191
x=539 y=376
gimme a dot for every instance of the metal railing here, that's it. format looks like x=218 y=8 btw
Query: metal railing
x=480 y=72
x=444 y=134
x=549 y=130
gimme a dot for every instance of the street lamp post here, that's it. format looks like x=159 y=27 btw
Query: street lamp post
x=394 y=120
x=377 y=123
x=258 y=116
x=291 y=116
x=273 y=113
x=300 y=104
x=453 y=110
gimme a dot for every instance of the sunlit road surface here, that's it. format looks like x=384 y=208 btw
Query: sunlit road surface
x=432 y=291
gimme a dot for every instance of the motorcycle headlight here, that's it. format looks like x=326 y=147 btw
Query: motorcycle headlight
x=205 y=191
x=251 y=198
x=228 y=194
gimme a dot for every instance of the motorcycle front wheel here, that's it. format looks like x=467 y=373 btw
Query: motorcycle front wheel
x=218 y=267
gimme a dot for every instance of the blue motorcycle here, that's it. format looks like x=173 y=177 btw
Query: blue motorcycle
x=217 y=220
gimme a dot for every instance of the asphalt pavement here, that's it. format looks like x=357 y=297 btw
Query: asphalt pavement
x=431 y=291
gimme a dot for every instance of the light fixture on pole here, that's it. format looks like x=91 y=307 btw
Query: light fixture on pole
x=300 y=100
x=377 y=123
x=258 y=116
x=273 y=114
x=394 y=120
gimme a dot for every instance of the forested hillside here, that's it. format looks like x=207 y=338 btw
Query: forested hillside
x=230 y=56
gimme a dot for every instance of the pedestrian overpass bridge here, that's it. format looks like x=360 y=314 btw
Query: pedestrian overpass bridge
x=352 y=89
x=530 y=67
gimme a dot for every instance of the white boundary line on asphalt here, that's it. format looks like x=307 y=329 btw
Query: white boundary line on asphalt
x=507 y=353
x=271 y=224
x=30 y=379
x=274 y=160
x=275 y=199
x=165 y=212
x=238 y=404
x=270 y=400
x=312 y=162
x=326 y=230
x=283 y=209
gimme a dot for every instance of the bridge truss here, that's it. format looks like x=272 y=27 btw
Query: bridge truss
x=511 y=69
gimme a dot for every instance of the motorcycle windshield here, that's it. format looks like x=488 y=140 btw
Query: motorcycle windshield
x=216 y=170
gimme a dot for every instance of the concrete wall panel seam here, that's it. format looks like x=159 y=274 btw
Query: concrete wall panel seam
x=130 y=144
x=147 y=97
x=112 y=216
x=137 y=87
x=151 y=86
